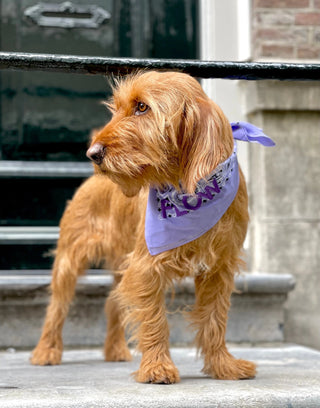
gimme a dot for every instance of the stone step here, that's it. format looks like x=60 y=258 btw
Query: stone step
x=287 y=376
x=256 y=315
x=44 y=169
x=28 y=235
x=33 y=244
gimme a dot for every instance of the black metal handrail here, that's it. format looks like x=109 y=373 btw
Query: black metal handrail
x=203 y=69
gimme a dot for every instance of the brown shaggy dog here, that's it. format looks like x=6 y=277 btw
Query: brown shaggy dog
x=164 y=131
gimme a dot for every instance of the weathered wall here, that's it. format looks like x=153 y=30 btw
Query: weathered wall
x=285 y=196
x=286 y=29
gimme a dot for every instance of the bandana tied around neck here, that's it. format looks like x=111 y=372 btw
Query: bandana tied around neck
x=174 y=218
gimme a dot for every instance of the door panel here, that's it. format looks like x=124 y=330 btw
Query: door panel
x=49 y=116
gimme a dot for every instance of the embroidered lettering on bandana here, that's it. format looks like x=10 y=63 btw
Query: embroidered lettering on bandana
x=173 y=203
x=174 y=218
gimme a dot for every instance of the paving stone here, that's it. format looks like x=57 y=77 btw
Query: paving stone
x=288 y=376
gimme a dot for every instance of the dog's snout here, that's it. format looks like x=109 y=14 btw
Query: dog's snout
x=96 y=153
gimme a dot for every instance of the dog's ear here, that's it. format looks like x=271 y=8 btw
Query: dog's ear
x=205 y=139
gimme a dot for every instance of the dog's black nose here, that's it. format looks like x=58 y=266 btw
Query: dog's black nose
x=96 y=153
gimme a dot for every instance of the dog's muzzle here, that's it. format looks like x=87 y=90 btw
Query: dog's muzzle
x=96 y=153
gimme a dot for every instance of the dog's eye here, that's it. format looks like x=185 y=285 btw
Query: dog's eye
x=141 y=108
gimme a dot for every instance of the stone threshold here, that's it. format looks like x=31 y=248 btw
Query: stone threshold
x=256 y=314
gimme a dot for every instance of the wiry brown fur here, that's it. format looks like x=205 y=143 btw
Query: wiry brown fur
x=182 y=137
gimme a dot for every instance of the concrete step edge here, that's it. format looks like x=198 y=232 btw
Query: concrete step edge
x=250 y=283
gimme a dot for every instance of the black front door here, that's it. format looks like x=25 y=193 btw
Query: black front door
x=47 y=117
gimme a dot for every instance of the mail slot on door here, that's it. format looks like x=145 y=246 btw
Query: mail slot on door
x=67 y=15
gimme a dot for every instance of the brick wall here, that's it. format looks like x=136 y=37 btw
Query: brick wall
x=286 y=29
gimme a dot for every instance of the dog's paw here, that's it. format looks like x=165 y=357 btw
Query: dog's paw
x=231 y=369
x=46 y=356
x=117 y=353
x=157 y=373
x=238 y=370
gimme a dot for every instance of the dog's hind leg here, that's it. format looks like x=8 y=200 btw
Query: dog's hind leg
x=210 y=315
x=115 y=346
x=67 y=267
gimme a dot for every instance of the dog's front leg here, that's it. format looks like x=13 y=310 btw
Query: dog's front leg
x=210 y=314
x=142 y=293
x=115 y=346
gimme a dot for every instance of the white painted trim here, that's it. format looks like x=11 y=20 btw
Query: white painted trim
x=244 y=29
x=207 y=41
x=225 y=35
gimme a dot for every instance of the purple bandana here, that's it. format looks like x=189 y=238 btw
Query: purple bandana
x=174 y=218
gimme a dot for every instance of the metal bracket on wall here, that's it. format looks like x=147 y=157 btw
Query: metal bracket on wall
x=67 y=15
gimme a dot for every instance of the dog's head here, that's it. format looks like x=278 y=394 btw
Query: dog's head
x=164 y=130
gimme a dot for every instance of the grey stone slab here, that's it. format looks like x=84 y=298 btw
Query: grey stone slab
x=256 y=318
x=285 y=184
x=285 y=96
x=253 y=283
x=288 y=376
x=256 y=315
x=284 y=196
x=294 y=247
x=264 y=283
